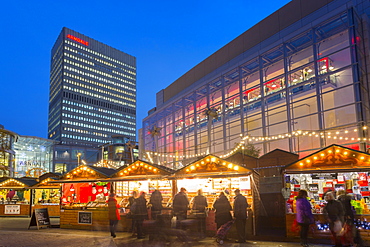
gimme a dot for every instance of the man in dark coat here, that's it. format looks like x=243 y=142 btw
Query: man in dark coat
x=140 y=214
x=180 y=205
x=240 y=215
x=223 y=208
x=156 y=203
x=199 y=207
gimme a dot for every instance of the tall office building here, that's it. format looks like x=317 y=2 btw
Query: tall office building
x=92 y=91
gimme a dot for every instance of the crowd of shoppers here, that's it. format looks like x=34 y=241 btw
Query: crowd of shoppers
x=224 y=212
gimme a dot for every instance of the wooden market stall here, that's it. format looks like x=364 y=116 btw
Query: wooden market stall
x=142 y=176
x=84 y=196
x=15 y=196
x=330 y=169
x=46 y=194
x=214 y=175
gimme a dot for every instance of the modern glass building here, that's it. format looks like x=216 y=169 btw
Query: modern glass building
x=92 y=91
x=7 y=154
x=33 y=156
x=297 y=81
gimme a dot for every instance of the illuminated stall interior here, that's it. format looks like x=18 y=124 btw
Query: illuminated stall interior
x=46 y=192
x=330 y=169
x=13 y=190
x=214 y=175
x=82 y=187
x=143 y=176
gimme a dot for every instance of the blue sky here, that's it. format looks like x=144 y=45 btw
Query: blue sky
x=167 y=38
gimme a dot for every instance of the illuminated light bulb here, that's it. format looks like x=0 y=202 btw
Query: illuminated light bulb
x=129 y=169
x=315 y=158
x=146 y=166
x=192 y=168
x=362 y=157
x=308 y=161
x=187 y=170
x=68 y=176
x=74 y=172
x=340 y=138
x=364 y=128
x=337 y=132
x=141 y=164
x=355 y=130
x=358 y=139
x=337 y=150
x=331 y=67
x=125 y=171
x=202 y=162
x=224 y=163
x=229 y=166
x=330 y=151
x=236 y=168
x=352 y=139
x=301 y=164
x=150 y=168
x=85 y=168
x=121 y=173
x=197 y=165
x=345 y=153
x=154 y=169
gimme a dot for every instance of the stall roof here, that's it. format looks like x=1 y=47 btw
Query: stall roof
x=49 y=182
x=140 y=169
x=333 y=157
x=18 y=182
x=87 y=173
x=212 y=166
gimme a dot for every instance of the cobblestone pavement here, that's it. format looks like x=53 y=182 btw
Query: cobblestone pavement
x=14 y=232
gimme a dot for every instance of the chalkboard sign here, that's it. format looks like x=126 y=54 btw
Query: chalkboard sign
x=40 y=218
x=85 y=217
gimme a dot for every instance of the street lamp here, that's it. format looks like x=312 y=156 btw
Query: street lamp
x=78 y=159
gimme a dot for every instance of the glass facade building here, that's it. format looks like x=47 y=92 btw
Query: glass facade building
x=33 y=156
x=92 y=91
x=7 y=154
x=302 y=86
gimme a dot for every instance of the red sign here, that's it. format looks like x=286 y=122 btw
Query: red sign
x=78 y=39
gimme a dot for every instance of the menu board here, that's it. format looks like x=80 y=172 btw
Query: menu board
x=40 y=218
x=85 y=217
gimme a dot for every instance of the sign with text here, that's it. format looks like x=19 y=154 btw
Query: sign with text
x=85 y=217
x=40 y=218
x=12 y=209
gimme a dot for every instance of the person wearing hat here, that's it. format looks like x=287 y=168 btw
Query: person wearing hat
x=180 y=205
x=113 y=214
x=240 y=215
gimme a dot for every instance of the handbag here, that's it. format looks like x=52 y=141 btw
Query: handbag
x=338 y=228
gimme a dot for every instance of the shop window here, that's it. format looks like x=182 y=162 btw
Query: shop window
x=274 y=85
x=300 y=75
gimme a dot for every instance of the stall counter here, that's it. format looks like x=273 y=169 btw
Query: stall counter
x=90 y=219
x=15 y=210
x=321 y=234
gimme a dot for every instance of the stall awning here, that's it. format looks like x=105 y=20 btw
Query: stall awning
x=86 y=172
x=141 y=169
x=11 y=183
x=333 y=157
x=211 y=166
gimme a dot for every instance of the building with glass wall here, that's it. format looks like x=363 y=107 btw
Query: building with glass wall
x=92 y=91
x=33 y=156
x=296 y=81
x=7 y=140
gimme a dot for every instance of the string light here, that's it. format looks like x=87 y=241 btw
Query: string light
x=338 y=134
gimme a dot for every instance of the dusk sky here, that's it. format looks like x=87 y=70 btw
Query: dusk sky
x=168 y=38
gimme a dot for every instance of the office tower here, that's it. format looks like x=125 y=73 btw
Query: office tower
x=92 y=91
x=296 y=81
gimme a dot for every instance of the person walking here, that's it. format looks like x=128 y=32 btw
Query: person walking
x=180 y=206
x=156 y=204
x=113 y=214
x=199 y=206
x=131 y=201
x=223 y=208
x=240 y=215
x=334 y=213
x=140 y=214
x=352 y=235
x=304 y=215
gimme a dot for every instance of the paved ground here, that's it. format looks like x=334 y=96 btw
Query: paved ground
x=14 y=232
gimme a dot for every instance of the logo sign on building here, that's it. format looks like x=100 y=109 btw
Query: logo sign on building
x=12 y=209
x=78 y=40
